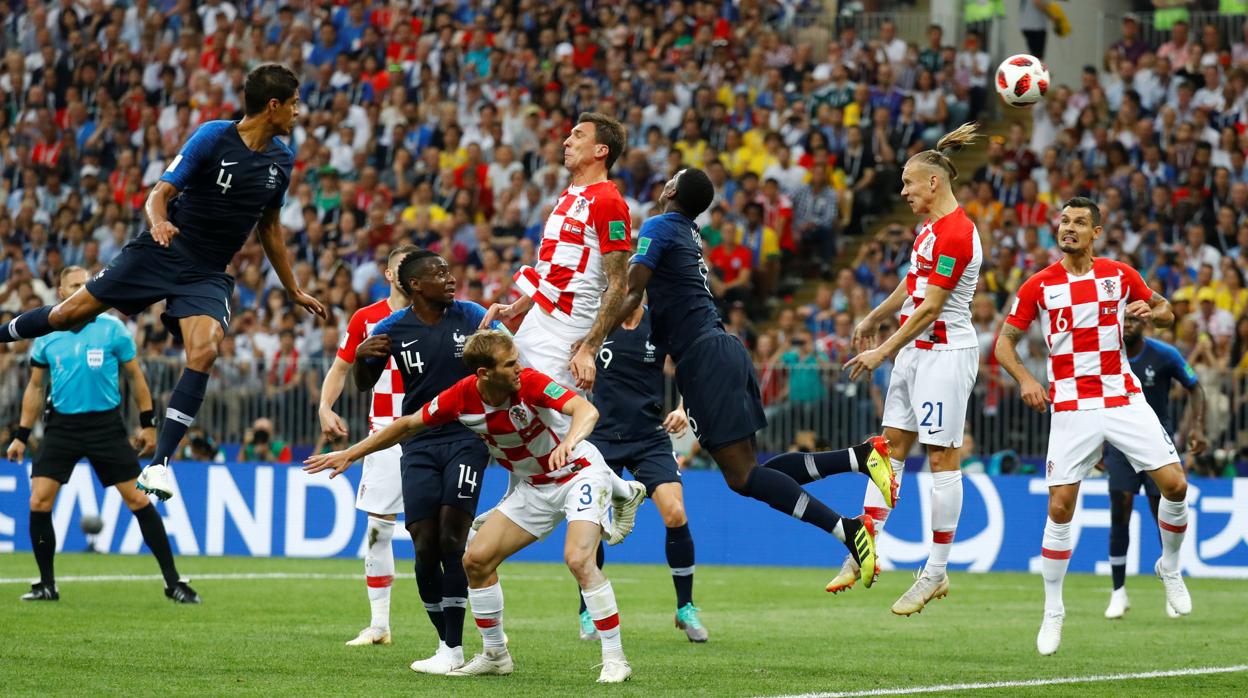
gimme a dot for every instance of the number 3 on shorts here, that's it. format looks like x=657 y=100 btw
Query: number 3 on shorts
x=587 y=494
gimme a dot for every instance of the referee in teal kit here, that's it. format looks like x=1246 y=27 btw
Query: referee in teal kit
x=84 y=420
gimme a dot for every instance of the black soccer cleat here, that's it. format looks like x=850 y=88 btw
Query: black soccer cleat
x=41 y=592
x=182 y=593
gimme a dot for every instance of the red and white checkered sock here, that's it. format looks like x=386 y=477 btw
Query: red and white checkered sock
x=946 y=510
x=487 y=610
x=873 y=504
x=1172 y=520
x=1054 y=559
x=600 y=602
x=379 y=569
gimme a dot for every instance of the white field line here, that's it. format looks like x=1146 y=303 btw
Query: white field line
x=1199 y=671
x=243 y=576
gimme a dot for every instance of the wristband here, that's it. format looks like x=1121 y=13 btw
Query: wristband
x=147 y=419
x=22 y=434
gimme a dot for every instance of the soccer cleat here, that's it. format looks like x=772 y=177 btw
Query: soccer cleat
x=1170 y=612
x=1176 y=591
x=880 y=470
x=1118 y=603
x=615 y=671
x=41 y=592
x=688 y=621
x=1050 y=635
x=371 y=636
x=444 y=661
x=489 y=662
x=588 y=630
x=861 y=544
x=847 y=578
x=182 y=593
x=624 y=512
x=924 y=589
x=155 y=480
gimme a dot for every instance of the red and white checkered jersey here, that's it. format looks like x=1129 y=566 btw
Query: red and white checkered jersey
x=947 y=253
x=1082 y=316
x=388 y=392
x=521 y=433
x=568 y=280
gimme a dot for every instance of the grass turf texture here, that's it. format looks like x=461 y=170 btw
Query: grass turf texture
x=773 y=631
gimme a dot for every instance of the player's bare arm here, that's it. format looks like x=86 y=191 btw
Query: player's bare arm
x=584 y=416
x=1033 y=394
x=145 y=443
x=924 y=315
x=615 y=266
x=269 y=230
x=32 y=403
x=505 y=311
x=156 y=208
x=331 y=389
x=868 y=330
x=1197 y=442
x=1156 y=310
x=399 y=430
x=376 y=350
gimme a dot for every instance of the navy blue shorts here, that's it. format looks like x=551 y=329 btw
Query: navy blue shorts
x=717 y=381
x=443 y=474
x=650 y=460
x=1124 y=478
x=144 y=273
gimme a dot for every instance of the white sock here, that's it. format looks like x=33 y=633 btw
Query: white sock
x=946 y=508
x=619 y=488
x=487 y=610
x=1172 y=520
x=379 y=569
x=1055 y=558
x=600 y=602
x=873 y=503
x=839 y=531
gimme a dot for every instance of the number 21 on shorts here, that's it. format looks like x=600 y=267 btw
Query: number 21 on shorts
x=930 y=410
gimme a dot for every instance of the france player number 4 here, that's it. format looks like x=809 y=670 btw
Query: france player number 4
x=224 y=180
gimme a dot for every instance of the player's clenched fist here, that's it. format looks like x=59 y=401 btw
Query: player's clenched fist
x=163 y=232
x=1034 y=395
x=375 y=347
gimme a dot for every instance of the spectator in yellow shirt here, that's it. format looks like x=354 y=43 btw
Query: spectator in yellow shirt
x=985 y=210
x=691 y=146
x=764 y=244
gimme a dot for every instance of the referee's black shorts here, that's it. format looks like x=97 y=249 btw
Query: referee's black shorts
x=100 y=437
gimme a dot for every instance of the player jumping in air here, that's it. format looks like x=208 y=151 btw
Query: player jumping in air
x=937 y=358
x=229 y=178
x=535 y=428
x=1081 y=301
x=716 y=378
x=1154 y=363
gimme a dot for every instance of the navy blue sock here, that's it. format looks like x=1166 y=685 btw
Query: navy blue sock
x=184 y=404
x=602 y=560
x=805 y=468
x=157 y=539
x=782 y=493
x=680 y=560
x=454 y=597
x=429 y=582
x=1119 y=538
x=43 y=543
x=28 y=325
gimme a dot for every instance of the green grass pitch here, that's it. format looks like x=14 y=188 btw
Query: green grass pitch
x=774 y=631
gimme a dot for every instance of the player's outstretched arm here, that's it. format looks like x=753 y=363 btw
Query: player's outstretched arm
x=1006 y=352
x=32 y=402
x=269 y=230
x=146 y=442
x=331 y=389
x=503 y=312
x=584 y=416
x=868 y=329
x=156 y=208
x=399 y=430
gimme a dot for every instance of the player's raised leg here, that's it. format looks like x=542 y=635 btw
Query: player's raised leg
x=874 y=504
x=869 y=458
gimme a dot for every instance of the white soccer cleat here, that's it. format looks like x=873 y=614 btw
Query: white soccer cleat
x=847 y=577
x=444 y=661
x=925 y=589
x=624 y=512
x=1177 y=597
x=615 y=671
x=1050 y=636
x=488 y=663
x=155 y=480
x=1118 y=603
x=1170 y=612
x=371 y=636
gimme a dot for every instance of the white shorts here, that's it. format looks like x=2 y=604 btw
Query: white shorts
x=381 y=484
x=928 y=392
x=1076 y=438
x=538 y=509
x=545 y=344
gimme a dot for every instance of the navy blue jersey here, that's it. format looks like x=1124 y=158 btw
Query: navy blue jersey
x=224 y=188
x=628 y=390
x=430 y=357
x=1155 y=366
x=683 y=310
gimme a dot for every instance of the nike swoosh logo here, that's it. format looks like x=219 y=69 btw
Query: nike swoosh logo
x=583 y=509
x=408 y=344
x=1055 y=297
x=937 y=431
x=227 y=164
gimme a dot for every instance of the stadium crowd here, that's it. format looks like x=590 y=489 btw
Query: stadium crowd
x=441 y=125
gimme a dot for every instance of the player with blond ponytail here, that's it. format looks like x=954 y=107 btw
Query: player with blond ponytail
x=937 y=356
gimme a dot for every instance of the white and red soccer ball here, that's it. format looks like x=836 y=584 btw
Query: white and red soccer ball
x=1022 y=80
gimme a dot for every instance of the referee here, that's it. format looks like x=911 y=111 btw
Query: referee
x=84 y=420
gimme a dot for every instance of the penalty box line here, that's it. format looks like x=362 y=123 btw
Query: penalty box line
x=1198 y=671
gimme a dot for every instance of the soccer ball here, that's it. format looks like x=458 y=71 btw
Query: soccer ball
x=1022 y=80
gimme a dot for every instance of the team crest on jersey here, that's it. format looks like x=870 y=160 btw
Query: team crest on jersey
x=1049 y=469
x=95 y=358
x=579 y=207
x=272 y=181
x=928 y=244
x=519 y=416
x=650 y=349
x=459 y=343
x=1109 y=286
x=1150 y=376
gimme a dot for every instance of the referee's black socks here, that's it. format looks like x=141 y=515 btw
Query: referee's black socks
x=43 y=543
x=153 y=529
x=28 y=325
x=184 y=404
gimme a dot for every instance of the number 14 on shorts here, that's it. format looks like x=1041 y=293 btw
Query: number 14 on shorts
x=467 y=476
